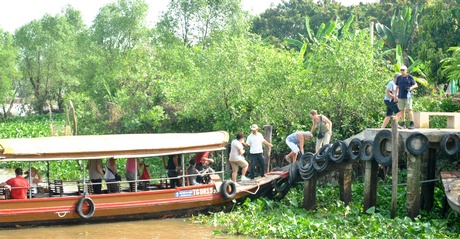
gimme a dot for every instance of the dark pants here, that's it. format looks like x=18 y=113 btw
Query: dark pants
x=173 y=182
x=97 y=186
x=257 y=158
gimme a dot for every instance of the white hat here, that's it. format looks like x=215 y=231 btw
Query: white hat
x=403 y=67
x=254 y=127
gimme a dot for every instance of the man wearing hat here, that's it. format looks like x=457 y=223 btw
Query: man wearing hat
x=254 y=141
x=405 y=83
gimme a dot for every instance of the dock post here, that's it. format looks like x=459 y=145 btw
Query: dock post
x=428 y=173
x=309 y=193
x=370 y=184
x=345 y=174
x=413 y=185
x=394 y=164
x=266 y=150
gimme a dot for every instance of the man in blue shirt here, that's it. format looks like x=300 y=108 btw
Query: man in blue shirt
x=405 y=83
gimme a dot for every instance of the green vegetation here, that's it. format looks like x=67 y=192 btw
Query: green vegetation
x=264 y=218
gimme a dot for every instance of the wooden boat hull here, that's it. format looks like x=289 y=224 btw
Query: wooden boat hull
x=451 y=182
x=164 y=203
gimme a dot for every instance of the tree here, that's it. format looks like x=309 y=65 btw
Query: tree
x=439 y=30
x=49 y=56
x=194 y=20
x=9 y=73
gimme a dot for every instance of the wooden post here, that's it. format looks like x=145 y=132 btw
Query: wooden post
x=413 y=185
x=370 y=184
x=309 y=193
x=429 y=170
x=395 y=162
x=267 y=136
x=73 y=117
x=345 y=178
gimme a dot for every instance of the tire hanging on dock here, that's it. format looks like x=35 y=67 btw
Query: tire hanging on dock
x=354 y=148
x=305 y=165
x=338 y=152
x=282 y=185
x=411 y=143
x=450 y=144
x=228 y=189
x=321 y=159
x=79 y=207
x=366 y=152
x=380 y=152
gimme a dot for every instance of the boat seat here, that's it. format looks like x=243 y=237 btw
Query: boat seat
x=56 y=188
x=113 y=187
x=88 y=187
x=4 y=193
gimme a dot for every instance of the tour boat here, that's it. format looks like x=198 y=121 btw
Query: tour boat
x=152 y=198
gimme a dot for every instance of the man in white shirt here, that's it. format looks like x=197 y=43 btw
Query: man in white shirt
x=254 y=141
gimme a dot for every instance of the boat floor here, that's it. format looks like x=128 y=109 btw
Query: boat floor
x=451 y=182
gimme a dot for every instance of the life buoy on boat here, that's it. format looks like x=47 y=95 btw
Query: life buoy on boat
x=228 y=189
x=91 y=205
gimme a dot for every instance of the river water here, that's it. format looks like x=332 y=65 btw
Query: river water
x=153 y=229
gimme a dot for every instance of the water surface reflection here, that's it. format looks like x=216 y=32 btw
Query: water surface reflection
x=154 y=229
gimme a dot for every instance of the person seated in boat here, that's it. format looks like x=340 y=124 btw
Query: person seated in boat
x=34 y=178
x=173 y=167
x=204 y=162
x=19 y=185
x=112 y=176
x=193 y=173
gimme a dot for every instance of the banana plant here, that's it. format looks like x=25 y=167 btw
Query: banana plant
x=333 y=30
x=450 y=64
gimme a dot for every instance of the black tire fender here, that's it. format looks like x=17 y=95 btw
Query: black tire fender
x=79 y=208
x=282 y=185
x=366 y=152
x=340 y=147
x=354 y=148
x=381 y=155
x=450 y=144
x=424 y=143
x=228 y=189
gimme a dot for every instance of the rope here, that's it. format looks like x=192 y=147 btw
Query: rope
x=253 y=193
x=404 y=184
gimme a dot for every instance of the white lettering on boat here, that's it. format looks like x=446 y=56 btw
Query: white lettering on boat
x=194 y=192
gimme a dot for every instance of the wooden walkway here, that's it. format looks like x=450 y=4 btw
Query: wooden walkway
x=451 y=182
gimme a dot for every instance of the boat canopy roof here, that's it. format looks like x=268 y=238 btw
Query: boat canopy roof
x=106 y=146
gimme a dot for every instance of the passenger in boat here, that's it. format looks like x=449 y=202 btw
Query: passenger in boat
x=254 y=141
x=33 y=178
x=391 y=101
x=132 y=166
x=19 y=185
x=203 y=160
x=193 y=172
x=94 y=167
x=111 y=174
x=237 y=157
x=173 y=166
x=203 y=165
x=295 y=141
x=324 y=126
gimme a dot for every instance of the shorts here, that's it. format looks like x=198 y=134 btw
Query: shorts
x=405 y=104
x=392 y=107
x=238 y=163
x=292 y=146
